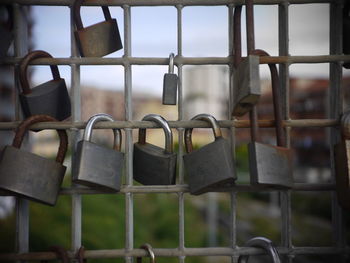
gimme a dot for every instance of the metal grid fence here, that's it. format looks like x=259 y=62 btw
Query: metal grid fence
x=335 y=59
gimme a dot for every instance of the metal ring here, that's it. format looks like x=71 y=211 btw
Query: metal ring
x=103 y=117
x=167 y=131
x=264 y=243
x=149 y=249
x=204 y=117
x=171 y=63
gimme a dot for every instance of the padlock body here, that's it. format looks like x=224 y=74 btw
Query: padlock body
x=50 y=98
x=246 y=92
x=30 y=176
x=169 y=89
x=99 y=39
x=5 y=40
x=210 y=167
x=342 y=176
x=97 y=166
x=270 y=165
x=153 y=166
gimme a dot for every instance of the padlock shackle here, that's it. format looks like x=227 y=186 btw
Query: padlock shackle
x=80 y=255
x=24 y=126
x=150 y=252
x=77 y=17
x=264 y=243
x=171 y=63
x=103 y=117
x=61 y=253
x=277 y=107
x=23 y=66
x=237 y=38
x=203 y=117
x=165 y=126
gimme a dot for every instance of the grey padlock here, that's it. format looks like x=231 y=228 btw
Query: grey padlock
x=170 y=84
x=211 y=166
x=264 y=243
x=342 y=163
x=99 y=39
x=269 y=164
x=6 y=32
x=28 y=175
x=154 y=165
x=97 y=166
x=50 y=98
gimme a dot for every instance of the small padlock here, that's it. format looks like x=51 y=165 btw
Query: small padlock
x=97 y=166
x=342 y=163
x=264 y=243
x=346 y=32
x=99 y=39
x=50 y=98
x=170 y=84
x=6 y=32
x=268 y=164
x=154 y=165
x=28 y=175
x=246 y=78
x=211 y=166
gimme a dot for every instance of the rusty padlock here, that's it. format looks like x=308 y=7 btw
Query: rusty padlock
x=346 y=31
x=97 y=166
x=28 y=175
x=247 y=91
x=50 y=98
x=6 y=33
x=342 y=163
x=269 y=164
x=99 y=39
x=210 y=166
x=264 y=243
x=154 y=165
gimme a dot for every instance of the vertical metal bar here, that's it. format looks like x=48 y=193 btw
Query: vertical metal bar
x=335 y=110
x=285 y=196
x=129 y=201
x=21 y=45
x=181 y=198
x=75 y=134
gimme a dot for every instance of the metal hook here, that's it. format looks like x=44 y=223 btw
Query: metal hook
x=149 y=249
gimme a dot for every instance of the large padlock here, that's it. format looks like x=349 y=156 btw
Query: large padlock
x=246 y=78
x=6 y=33
x=97 y=166
x=99 y=39
x=211 y=166
x=269 y=164
x=264 y=243
x=346 y=32
x=342 y=163
x=170 y=84
x=50 y=98
x=28 y=175
x=154 y=165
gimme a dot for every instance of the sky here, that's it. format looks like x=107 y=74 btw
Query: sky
x=205 y=34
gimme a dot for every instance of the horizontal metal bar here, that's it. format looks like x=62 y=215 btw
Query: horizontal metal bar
x=175 y=252
x=160 y=2
x=178 y=60
x=173 y=124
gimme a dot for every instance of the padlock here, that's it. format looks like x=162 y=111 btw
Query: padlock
x=342 y=163
x=28 y=175
x=97 y=166
x=6 y=32
x=154 y=165
x=211 y=166
x=170 y=84
x=269 y=164
x=264 y=243
x=246 y=79
x=50 y=98
x=99 y=39
x=346 y=32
